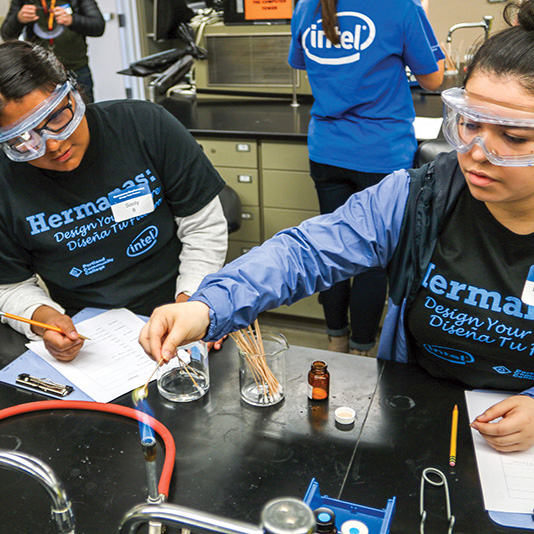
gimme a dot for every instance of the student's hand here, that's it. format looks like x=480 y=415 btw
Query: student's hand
x=212 y=345
x=515 y=431
x=27 y=13
x=216 y=345
x=173 y=325
x=62 y=16
x=63 y=347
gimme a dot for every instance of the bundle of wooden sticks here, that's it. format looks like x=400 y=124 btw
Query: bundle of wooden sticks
x=250 y=343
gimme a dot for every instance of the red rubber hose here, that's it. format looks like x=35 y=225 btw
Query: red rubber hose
x=162 y=430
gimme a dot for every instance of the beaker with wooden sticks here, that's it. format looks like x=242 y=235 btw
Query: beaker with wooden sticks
x=261 y=365
x=185 y=377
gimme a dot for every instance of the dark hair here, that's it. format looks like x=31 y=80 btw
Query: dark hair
x=25 y=67
x=329 y=16
x=509 y=52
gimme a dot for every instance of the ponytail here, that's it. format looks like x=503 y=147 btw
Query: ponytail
x=330 y=23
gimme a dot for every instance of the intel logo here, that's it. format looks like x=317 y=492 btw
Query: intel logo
x=451 y=355
x=357 y=34
x=143 y=242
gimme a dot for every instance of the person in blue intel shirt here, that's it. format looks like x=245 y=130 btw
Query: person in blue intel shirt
x=355 y=53
x=455 y=237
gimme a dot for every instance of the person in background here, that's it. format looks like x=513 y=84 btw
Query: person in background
x=455 y=237
x=112 y=204
x=79 y=19
x=355 y=53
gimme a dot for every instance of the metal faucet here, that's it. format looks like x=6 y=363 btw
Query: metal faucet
x=286 y=515
x=485 y=23
x=37 y=469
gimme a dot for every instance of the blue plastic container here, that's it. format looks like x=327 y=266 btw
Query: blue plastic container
x=377 y=521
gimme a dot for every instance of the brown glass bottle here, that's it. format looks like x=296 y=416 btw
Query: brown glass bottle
x=318 y=381
x=325 y=520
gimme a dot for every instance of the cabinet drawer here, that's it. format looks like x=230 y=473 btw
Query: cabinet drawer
x=279 y=219
x=230 y=153
x=285 y=156
x=237 y=249
x=244 y=182
x=308 y=307
x=250 y=225
x=289 y=189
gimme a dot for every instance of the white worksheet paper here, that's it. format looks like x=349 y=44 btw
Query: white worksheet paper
x=507 y=478
x=111 y=363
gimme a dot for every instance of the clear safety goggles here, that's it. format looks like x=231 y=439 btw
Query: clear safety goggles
x=504 y=131
x=23 y=141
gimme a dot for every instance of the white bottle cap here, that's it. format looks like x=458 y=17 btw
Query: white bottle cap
x=345 y=415
x=352 y=526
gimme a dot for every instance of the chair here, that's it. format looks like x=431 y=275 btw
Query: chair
x=231 y=204
x=428 y=150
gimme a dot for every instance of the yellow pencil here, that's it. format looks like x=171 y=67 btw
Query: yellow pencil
x=36 y=323
x=454 y=436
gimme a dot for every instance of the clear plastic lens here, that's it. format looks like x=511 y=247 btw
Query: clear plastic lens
x=30 y=144
x=507 y=140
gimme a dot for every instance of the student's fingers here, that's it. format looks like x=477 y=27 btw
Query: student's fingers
x=61 y=347
x=216 y=345
x=509 y=424
x=162 y=334
x=27 y=13
x=173 y=325
x=508 y=443
x=67 y=327
x=151 y=342
x=497 y=410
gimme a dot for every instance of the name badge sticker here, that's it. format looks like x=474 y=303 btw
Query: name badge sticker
x=528 y=290
x=132 y=202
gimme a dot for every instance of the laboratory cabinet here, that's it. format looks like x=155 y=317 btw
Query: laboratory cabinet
x=273 y=181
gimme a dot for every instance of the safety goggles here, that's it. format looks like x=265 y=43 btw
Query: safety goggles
x=504 y=131
x=23 y=141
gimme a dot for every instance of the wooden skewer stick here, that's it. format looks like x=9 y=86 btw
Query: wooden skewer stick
x=186 y=367
x=250 y=343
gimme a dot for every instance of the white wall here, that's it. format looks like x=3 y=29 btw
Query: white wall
x=4 y=6
x=105 y=56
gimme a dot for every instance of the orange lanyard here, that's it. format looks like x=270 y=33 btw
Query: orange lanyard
x=50 y=13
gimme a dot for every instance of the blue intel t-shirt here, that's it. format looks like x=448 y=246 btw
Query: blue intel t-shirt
x=363 y=114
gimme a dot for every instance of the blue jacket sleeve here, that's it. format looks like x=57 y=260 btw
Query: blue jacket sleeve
x=300 y=261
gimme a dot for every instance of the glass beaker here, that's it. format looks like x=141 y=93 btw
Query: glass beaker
x=186 y=377
x=262 y=376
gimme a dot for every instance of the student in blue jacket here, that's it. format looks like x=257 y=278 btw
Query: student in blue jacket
x=355 y=54
x=454 y=236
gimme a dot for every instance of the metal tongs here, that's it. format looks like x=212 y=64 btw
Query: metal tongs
x=441 y=482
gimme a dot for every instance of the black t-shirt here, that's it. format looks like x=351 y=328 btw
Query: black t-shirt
x=60 y=224
x=468 y=322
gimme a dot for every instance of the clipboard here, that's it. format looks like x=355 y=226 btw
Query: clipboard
x=512 y=520
x=29 y=362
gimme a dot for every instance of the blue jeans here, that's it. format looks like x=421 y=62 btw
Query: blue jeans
x=365 y=295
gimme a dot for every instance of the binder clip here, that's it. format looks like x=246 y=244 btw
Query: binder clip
x=441 y=482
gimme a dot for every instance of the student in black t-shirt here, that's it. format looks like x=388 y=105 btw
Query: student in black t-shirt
x=111 y=205
x=454 y=236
